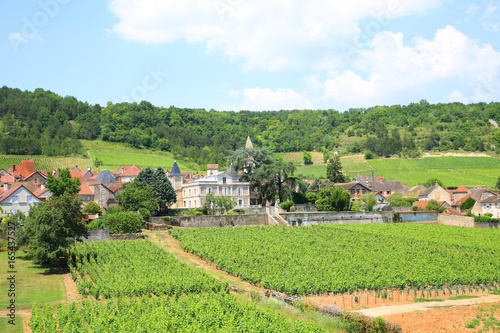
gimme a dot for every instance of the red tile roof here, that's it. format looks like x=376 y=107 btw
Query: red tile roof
x=423 y=203
x=130 y=171
x=7 y=179
x=85 y=189
x=77 y=174
x=24 y=168
x=39 y=192
x=212 y=167
x=452 y=211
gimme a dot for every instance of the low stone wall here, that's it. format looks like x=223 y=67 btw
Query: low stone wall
x=213 y=221
x=305 y=208
x=304 y=219
x=455 y=220
x=96 y=235
x=128 y=236
x=402 y=209
x=487 y=225
x=429 y=216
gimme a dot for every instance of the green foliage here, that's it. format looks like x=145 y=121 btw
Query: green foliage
x=498 y=183
x=286 y=205
x=334 y=170
x=92 y=208
x=333 y=199
x=307 y=157
x=359 y=256
x=220 y=204
x=102 y=269
x=432 y=182
x=212 y=312
x=136 y=195
x=63 y=183
x=368 y=200
x=161 y=187
x=397 y=200
x=369 y=155
x=311 y=197
x=123 y=222
x=270 y=179
x=467 y=204
x=96 y=224
x=193 y=212
x=434 y=205
x=52 y=226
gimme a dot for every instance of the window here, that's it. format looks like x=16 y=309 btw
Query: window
x=29 y=198
x=184 y=192
x=189 y=192
x=240 y=202
x=14 y=199
x=194 y=191
x=223 y=180
x=364 y=191
x=210 y=190
x=357 y=191
x=239 y=191
x=88 y=197
x=352 y=192
x=225 y=191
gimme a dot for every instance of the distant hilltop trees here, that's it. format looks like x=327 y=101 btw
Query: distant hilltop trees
x=42 y=122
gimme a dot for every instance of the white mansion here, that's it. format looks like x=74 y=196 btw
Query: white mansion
x=192 y=193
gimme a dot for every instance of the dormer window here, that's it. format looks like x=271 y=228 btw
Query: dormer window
x=223 y=180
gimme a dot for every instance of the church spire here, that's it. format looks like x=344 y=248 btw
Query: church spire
x=249 y=143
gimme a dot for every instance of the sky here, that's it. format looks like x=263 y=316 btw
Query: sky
x=254 y=55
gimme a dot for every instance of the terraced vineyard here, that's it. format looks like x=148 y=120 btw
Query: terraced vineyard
x=343 y=258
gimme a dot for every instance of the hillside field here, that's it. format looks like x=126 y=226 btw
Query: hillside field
x=453 y=171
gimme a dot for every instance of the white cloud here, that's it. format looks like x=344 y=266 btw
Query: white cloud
x=272 y=35
x=390 y=70
x=457 y=96
x=264 y=99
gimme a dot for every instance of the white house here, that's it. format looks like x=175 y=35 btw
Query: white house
x=18 y=198
x=490 y=205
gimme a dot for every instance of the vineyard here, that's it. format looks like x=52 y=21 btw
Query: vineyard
x=213 y=312
x=134 y=268
x=46 y=163
x=344 y=258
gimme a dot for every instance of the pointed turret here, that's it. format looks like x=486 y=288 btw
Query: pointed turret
x=249 y=143
x=175 y=170
x=176 y=177
x=231 y=170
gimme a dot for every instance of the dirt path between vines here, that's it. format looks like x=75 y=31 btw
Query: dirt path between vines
x=173 y=246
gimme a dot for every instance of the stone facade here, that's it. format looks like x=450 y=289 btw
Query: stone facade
x=304 y=219
x=455 y=220
x=212 y=221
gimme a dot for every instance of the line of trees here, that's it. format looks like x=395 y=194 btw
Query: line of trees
x=42 y=122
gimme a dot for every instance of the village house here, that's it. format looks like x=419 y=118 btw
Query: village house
x=192 y=193
x=437 y=193
x=17 y=198
x=490 y=205
x=355 y=189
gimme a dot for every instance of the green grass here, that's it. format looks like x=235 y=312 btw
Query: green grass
x=113 y=155
x=5 y=327
x=424 y=300
x=34 y=284
x=462 y=297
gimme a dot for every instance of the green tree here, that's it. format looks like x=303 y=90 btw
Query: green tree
x=498 y=183
x=63 y=183
x=307 y=157
x=397 y=200
x=92 y=208
x=161 y=186
x=286 y=205
x=434 y=205
x=136 y=195
x=250 y=159
x=52 y=226
x=368 y=200
x=432 y=182
x=334 y=170
x=219 y=204
x=121 y=222
x=467 y=204
x=315 y=187
x=333 y=199
x=270 y=180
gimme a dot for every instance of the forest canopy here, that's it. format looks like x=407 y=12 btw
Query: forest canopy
x=42 y=122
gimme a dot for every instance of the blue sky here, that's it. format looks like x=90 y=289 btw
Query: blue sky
x=254 y=55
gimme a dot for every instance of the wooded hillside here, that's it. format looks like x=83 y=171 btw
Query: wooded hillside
x=42 y=122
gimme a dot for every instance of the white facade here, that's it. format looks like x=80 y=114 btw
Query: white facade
x=20 y=199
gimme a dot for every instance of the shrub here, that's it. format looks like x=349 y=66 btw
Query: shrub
x=124 y=222
x=286 y=205
x=92 y=208
x=146 y=214
x=369 y=155
x=96 y=224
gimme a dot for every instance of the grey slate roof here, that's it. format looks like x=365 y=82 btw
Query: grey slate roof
x=175 y=170
x=388 y=185
x=105 y=177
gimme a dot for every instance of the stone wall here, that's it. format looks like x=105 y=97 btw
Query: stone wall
x=455 y=220
x=96 y=235
x=402 y=209
x=487 y=225
x=418 y=216
x=213 y=221
x=304 y=219
x=128 y=236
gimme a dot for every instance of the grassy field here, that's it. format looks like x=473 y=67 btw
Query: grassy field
x=33 y=285
x=114 y=155
x=46 y=163
x=453 y=171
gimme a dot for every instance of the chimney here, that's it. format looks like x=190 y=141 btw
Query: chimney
x=53 y=172
x=120 y=180
x=89 y=170
x=6 y=187
x=13 y=168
